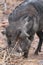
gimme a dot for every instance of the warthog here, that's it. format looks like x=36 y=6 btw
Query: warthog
x=24 y=22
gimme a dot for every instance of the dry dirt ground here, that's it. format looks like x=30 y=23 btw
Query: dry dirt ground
x=6 y=56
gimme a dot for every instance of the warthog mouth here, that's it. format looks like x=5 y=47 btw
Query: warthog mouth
x=18 y=40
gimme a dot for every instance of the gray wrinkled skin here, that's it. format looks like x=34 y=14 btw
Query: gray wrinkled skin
x=24 y=22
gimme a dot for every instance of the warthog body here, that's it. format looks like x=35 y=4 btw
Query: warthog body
x=24 y=22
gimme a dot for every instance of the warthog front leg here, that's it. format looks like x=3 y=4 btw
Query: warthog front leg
x=40 y=35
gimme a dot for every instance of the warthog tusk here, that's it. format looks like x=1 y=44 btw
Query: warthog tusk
x=26 y=34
